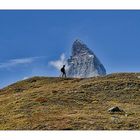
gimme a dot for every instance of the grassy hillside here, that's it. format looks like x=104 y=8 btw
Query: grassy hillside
x=44 y=103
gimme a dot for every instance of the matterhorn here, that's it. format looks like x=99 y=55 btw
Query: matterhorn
x=83 y=63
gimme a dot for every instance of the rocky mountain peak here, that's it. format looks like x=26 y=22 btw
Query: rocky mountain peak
x=83 y=62
x=80 y=47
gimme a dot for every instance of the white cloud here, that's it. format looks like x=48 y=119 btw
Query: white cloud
x=60 y=62
x=24 y=78
x=15 y=62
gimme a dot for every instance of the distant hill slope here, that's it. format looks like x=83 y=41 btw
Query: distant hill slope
x=45 y=103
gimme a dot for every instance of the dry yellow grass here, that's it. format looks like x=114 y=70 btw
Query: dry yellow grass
x=45 y=103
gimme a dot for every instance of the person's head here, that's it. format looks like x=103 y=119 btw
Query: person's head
x=63 y=66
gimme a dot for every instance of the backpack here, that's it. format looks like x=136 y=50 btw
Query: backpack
x=62 y=70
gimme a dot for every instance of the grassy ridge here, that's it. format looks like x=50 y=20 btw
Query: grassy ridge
x=45 y=103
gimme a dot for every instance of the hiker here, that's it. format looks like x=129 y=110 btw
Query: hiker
x=63 y=71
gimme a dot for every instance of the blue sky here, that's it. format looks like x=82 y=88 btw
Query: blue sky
x=30 y=40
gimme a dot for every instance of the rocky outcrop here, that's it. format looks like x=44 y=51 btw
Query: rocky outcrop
x=115 y=110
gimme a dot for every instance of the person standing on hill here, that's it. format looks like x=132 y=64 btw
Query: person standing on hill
x=63 y=71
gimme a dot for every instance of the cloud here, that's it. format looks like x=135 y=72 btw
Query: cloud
x=15 y=62
x=25 y=78
x=60 y=62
